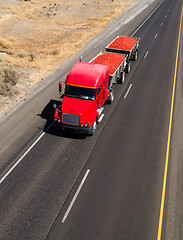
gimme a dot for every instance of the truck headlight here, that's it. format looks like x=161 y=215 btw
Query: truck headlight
x=86 y=125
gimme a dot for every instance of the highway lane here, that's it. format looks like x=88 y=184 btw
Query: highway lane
x=31 y=196
x=35 y=192
x=24 y=124
x=121 y=196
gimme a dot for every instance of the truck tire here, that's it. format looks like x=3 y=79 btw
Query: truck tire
x=135 y=56
x=121 y=79
x=94 y=128
x=111 y=97
x=128 y=68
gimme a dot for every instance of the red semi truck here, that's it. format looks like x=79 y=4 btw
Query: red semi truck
x=88 y=86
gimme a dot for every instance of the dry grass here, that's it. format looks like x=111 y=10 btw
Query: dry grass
x=5 y=44
x=43 y=34
x=8 y=79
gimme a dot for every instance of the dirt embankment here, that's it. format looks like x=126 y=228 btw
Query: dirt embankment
x=38 y=36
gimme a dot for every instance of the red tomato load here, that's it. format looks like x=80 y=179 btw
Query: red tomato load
x=112 y=60
x=123 y=43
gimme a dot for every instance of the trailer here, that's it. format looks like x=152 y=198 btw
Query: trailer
x=116 y=63
x=125 y=45
x=90 y=84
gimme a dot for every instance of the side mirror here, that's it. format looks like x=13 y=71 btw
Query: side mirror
x=60 y=87
x=55 y=106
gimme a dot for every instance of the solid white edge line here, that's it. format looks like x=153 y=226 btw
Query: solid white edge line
x=128 y=91
x=146 y=54
x=20 y=159
x=75 y=196
x=147 y=18
x=101 y=117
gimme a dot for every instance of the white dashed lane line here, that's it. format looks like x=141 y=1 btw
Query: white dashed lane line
x=75 y=196
x=127 y=91
x=146 y=54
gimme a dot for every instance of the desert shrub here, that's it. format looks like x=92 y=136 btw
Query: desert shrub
x=8 y=78
x=54 y=52
x=1 y=60
x=1 y=78
x=21 y=54
x=10 y=75
x=5 y=64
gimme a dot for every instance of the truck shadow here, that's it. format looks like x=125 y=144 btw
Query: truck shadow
x=49 y=128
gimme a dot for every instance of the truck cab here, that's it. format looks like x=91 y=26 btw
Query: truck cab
x=86 y=90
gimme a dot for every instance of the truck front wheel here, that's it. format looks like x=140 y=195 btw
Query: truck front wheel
x=110 y=99
x=94 y=128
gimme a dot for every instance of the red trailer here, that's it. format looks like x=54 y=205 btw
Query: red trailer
x=116 y=63
x=125 y=45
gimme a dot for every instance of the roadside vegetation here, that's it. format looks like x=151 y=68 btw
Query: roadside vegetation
x=8 y=78
x=36 y=37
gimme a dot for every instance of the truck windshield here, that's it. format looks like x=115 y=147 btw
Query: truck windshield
x=80 y=93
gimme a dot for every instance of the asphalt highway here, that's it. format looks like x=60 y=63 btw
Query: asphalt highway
x=56 y=185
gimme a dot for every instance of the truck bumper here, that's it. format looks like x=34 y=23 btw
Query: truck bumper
x=76 y=129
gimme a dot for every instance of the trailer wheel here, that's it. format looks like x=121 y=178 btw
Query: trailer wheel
x=135 y=56
x=94 y=127
x=121 y=79
x=128 y=67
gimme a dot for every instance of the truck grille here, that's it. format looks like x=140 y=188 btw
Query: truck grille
x=71 y=119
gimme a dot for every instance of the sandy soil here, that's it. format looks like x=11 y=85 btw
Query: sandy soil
x=38 y=36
